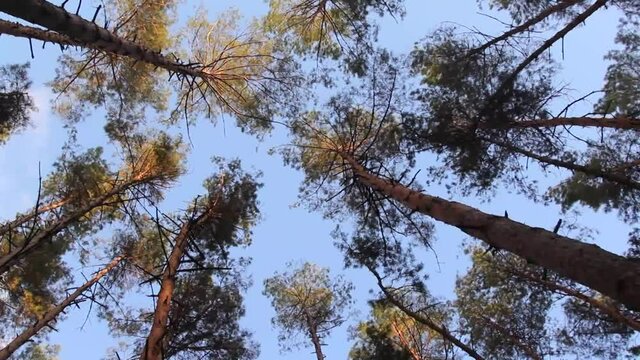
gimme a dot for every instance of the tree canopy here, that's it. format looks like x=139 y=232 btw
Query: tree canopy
x=391 y=147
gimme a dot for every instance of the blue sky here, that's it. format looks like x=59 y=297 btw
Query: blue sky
x=286 y=233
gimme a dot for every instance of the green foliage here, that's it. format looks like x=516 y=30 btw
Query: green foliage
x=307 y=300
x=205 y=323
x=327 y=28
x=15 y=102
x=500 y=314
x=461 y=108
x=245 y=75
x=125 y=88
x=391 y=334
x=39 y=352
x=206 y=304
x=509 y=310
x=622 y=87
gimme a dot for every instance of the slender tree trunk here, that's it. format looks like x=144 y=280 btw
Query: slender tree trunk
x=20 y=220
x=6 y=261
x=315 y=339
x=53 y=313
x=612 y=275
x=587 y=170
x=603 y=307
x=154 y=347
x=560 y=6
x=622 y=123
x=517 y=341
x=446 y=335
x=575 y=22
x=404 y=342
x=81 y=32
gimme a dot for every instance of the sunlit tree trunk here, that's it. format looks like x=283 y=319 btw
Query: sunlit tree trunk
x=154 y=346
x=82 y=32
x=53 y=313
x=23 y=219
x=587 y=264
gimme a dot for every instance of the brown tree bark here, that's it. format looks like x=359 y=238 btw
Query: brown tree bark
x=315 y=339
x=622 y=123
x=53 y=313
x=612 y=275
x=446 y=335
x=75 y=30
x=154 y=346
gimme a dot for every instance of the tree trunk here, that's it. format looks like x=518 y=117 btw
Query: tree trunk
x=601 y=306
x=610 y=175
x=622 y=123
x=560 y=6
x=315 y=339
x=516 y=340
x=404 y=342
x=53 y=313
x=446 y=335
x=81 y=32
x=154 y=348
x=6 y=261
x=20 y=220
x=612 y=275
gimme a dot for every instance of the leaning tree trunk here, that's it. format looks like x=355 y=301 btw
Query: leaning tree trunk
x=154 y=349
x=612 y=175
x=23 y=219
x=53 y=313
x=600 y=305
x=614 y=276
x=81 y=32
x=619 y=122
x=29 y=245
x=440 y=329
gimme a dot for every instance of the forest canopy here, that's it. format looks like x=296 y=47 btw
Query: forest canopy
x=202 y=169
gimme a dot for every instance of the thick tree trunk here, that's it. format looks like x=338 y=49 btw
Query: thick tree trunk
x=446 y=335
x=154 y=347
x=53 y=313
x=81 y=32
x=612 y=275
x=6 y=261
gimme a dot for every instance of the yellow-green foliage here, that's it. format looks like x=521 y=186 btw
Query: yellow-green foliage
x=315 y=24
x=235 y=61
